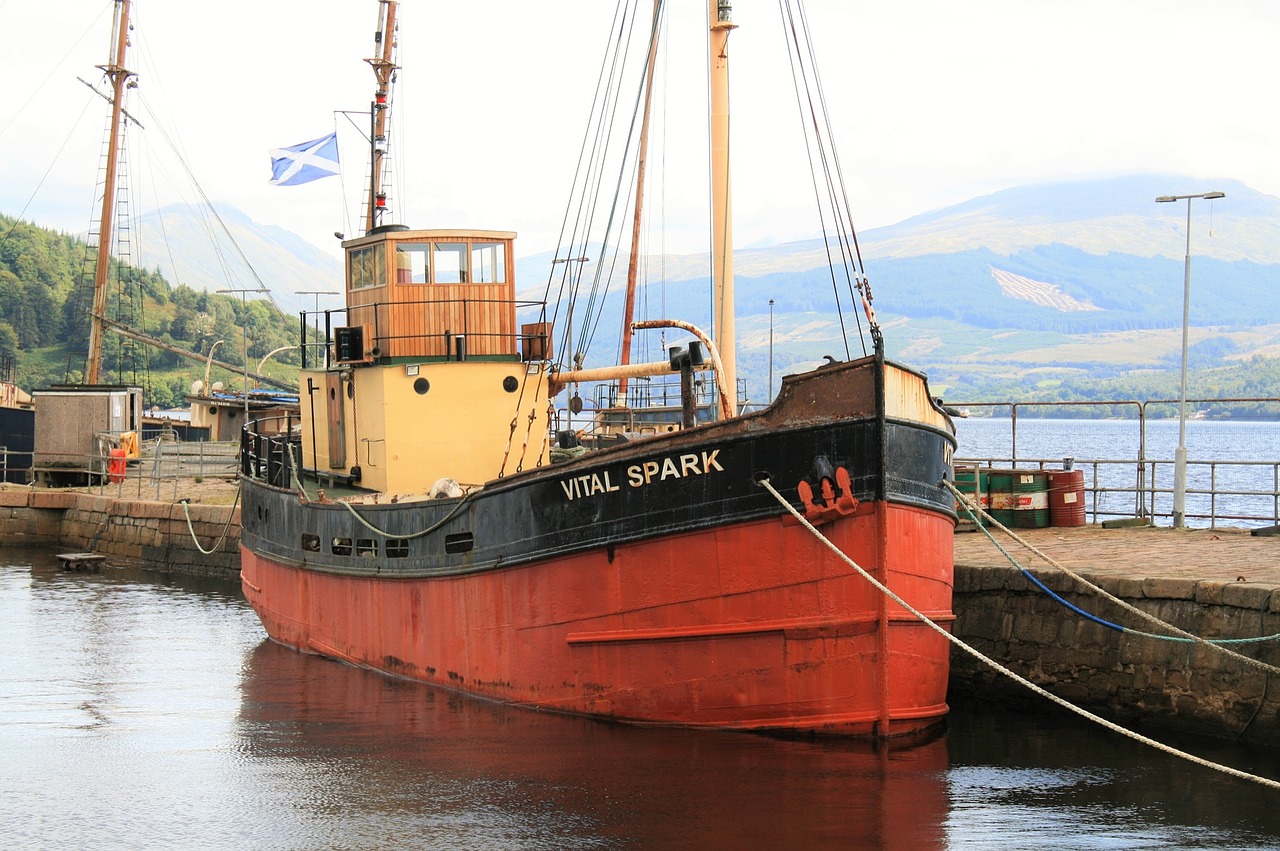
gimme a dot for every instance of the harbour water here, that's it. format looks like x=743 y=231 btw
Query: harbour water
x=1118 y=441
x=139 y=710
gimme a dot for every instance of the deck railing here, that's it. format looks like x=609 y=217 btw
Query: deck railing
x=1219 y=492
x=1115 y=488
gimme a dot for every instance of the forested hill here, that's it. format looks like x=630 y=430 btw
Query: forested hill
x=46 y=289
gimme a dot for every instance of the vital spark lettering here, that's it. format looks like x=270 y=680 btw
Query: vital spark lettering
x=646 y=473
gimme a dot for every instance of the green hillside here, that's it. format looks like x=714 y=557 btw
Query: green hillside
x=46 y=289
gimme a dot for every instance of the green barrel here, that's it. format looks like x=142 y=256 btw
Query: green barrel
x=1003 y=500
x=1031 y=498
x=974 y=482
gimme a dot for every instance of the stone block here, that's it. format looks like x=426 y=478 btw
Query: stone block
x=1209 y=593
x=1248 y=595
x=14 y=498
x=1169 y=589
x=61 y=500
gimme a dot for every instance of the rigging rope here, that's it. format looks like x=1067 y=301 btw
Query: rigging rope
x=924 y=619
x=1149 y=618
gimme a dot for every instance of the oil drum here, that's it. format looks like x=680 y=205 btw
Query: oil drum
x=1066 y=498
x=1031 y=499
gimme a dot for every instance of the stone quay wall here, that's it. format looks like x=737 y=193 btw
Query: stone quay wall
x=142 y=532
x=1127 y=677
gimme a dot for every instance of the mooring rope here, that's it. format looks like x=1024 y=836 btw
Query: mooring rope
x=1084 y=713
x=1150 y=618
x=1031 y=577
x=192 y=529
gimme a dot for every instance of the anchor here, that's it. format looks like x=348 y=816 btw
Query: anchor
x=832 y=505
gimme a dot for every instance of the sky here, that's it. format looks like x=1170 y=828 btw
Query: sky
x=933 y=103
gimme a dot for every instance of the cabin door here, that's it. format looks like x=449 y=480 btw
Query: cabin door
x=337 y=420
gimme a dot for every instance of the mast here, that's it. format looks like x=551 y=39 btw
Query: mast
x=721 y=210
x=118 y=76
x=630 y=305
x=384 y=68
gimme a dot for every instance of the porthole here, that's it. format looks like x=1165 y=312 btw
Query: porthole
x=421 y=386
x=510 y=384
x=310 y=543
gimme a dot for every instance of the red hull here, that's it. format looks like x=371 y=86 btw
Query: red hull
x=751 y=626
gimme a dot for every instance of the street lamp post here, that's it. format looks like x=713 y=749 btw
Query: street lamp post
x=1180 y=456
x=244 y=307
x=769 y=395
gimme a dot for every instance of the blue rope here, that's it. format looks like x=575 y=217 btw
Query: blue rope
x=1090 y=616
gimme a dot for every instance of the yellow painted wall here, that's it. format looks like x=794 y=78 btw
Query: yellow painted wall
x=404 y=441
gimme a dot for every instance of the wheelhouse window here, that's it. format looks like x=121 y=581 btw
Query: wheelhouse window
x=449 y=262
x=488 y=263
x=367 y=266
x=411 y=263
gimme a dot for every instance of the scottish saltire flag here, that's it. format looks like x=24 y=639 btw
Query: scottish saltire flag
x=306 y=162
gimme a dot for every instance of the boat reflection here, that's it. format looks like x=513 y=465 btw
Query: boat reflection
x=455 y=771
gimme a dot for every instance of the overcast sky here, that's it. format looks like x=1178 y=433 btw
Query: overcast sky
x=934 y=102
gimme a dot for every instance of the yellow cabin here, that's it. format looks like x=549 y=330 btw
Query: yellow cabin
x=423 y=374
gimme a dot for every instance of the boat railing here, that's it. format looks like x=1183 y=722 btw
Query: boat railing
x=266 y=447
x=439 y=328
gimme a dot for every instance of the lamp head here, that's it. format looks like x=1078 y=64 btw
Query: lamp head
x=1212 y=195
x=1163 y=199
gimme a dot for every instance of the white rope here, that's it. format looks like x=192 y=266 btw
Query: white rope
x=1150 y=618
x=421 y=532
x=230 y=515
x=1084 y=713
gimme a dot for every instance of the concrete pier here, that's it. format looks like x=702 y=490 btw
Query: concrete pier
x=1214 y=584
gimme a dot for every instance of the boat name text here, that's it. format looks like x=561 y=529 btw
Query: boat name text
x=644 y=473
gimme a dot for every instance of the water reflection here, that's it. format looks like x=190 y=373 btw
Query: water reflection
x=456 y=772
x=139 y=710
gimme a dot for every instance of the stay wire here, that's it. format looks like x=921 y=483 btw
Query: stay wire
x=795 y=61
x=602 y=279
x=580 y=192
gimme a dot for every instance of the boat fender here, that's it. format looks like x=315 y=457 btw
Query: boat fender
x=445 y=489
x=116 y=466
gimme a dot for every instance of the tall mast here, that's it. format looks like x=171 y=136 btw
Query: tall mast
x=721 y=210
x=118 y=76
x=630 y=305
x=384 y=68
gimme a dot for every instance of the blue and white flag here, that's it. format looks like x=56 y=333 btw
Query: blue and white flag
x=306 y=162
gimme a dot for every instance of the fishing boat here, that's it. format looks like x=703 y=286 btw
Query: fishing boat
x=425 y=516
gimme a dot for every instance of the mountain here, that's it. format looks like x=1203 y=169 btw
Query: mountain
x=1037 y=284
x=1061 y=280
x=189 y=245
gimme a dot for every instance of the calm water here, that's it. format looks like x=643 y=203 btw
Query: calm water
x=1116 y=440
x=139 y=711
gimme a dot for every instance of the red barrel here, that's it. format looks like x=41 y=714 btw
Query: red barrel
x=1066 y=497
x=116 y=466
